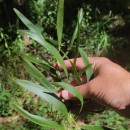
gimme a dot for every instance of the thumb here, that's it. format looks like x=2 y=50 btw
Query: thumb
x=64 y=94
x=87 y=90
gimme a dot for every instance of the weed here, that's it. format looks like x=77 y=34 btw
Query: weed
x=44 y=89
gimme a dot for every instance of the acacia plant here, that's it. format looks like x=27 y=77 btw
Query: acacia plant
x=47 y=90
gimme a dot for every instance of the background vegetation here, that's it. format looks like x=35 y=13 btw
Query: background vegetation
x=104 y=32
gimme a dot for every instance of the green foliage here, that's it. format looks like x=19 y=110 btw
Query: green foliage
x=41 y=92
x=36 y=89
x=91 y=34
x=34 y=72
x=84 y=127
x=72 y=90
x=110 y=118
x=38 y=120
x=5 y=109
x=44 y=90
x=89 y=71
x=35 y=34
x=43 y=13
x=60 y=19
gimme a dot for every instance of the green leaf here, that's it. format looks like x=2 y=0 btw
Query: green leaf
x=89 y=71
x=75 y=34
x=37 y=119
x=80 y=73
x=90 y=127
x=35 y=73
x=28 y=23
x=87 y=127
x=45 y=96
x=76 y=73
x=35 y=34
x=48 y=46
x=35 y=59
x=60 y=18
x=78 y=38
x=52 y=41
x=38 y=87
x=71 y=89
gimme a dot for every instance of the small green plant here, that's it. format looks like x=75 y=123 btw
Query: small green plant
x=48 y=90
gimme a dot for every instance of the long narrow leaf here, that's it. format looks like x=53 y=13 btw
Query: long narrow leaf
x=60 y=18
x=35 y=59
x=35 y=73
x=28 y=23
x=71 y=89
x=35 y=34
x=52 y=41
x=76 y=73
x=48 y=46
x=38 y=87
x=78 y=40
x=89 y=71
x=93 y=127
x=80 y=73
x=37 y=119
x=87 y=127
x=80 y=17
x=47 y=97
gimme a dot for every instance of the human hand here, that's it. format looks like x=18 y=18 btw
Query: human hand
x=110 y=85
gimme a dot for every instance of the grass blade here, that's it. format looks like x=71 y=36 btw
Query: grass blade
x=60 y=18
x=38 y=87
x=35 y=73
x=71 y=89
x=52 y=41
x=35 y=34
x=78 y=40
x=80 y=73
x=89 y=71
x=48 y=46
x=76 y=73
x=28 y=23
x=87 y=127
x=45 y=96
x=75 y=34
x=35 y=59
x=37 y=119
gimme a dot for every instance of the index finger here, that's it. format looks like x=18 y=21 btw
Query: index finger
x=79 y=63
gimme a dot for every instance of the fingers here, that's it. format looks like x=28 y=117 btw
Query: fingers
x=64 y=94
x=88 y=90
x=82 y=78
x=79 y=64
x=95 y=61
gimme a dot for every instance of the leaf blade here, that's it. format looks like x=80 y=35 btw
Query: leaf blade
x=35 y=59
x=37 y=119
x=25 y=83
x=28 y=23
x=35 y=34
x=71 y=89
x=75 y=34
x=48 y=46
x=36 y=74
x=60 y=18
x=89 y=71
x=87 y=127
x=45 y=96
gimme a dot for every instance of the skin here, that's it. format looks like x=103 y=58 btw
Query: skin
x=109 y=87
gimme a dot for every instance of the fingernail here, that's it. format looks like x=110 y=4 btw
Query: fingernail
x=65 y=95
